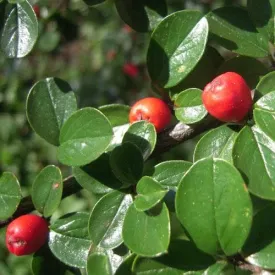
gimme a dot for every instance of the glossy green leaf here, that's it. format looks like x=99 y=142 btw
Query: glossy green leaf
x=147 y=233
x=199 y=77
x=126 y=266
x=172 y=55
x=253 y=155
x=224 y=268
x=98 y=263
x=93 y=2
x=216 y=143
x=97 y=176
x=212 y=203
x=106 y=220
x=52 y=101
x=10 y=195
x=263 y=20
x=189 y=108
x=20 y=31
x=119 y=132
x=232 y=28
x=69 y=239
x=266 y=85
x=84 y=137
x=143 y=135
x=150 y=193
x=240 y=64
x=266 y=102
x=117 y=114
x=142 y=15
x=183 y=256
x=44 y=263
x=169 y=173
x=47 y=190
x=259 y=249
x=265 y=120
x=127 y=163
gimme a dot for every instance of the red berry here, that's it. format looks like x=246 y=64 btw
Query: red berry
x=153 y=110
x=228 y=97
x=36 y=9
x=130 y=69
x=26 y=234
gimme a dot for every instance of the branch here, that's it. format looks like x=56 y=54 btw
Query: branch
x=166 y=140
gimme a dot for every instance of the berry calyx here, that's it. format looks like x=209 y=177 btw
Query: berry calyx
x=228 y=97
x=26 y=234
x=153 y=110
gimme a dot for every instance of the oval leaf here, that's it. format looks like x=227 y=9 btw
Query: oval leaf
x=98 y=263
x=117 y=114
x=253 y=155
x=189 y=108
x=106 y=220
x=126 y=266
x=10 y=195
x=240 y=64
x=20 y=31
x=127 y=163
x=147 y=233
x=47 y=190
x=212 y=204
x=84 y=137
x=143 y=135
x=266 y=85
x=259 y=249
x=150 y=193
x=93 y=2
x=52 y=101
x=265 y=120
x=216 y=143
x=97 y=176
x=171 y=59
x=69 y=239
x=232 y=28
x=264 y=21
x=169 y=173
x=142 y=16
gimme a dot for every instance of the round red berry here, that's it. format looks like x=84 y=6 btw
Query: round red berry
x=153 y=110
x=36 y=9
x=228 y=97
x=130 y=69
x=26 y=234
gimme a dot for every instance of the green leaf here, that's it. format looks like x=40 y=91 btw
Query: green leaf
x=119 y=132
x=150 y=193
x=199 y=77
x=98 y=263
x=265 y=120
x=52 y=101
x=240 y=64
x=143 y=15
x=189 y=108
x=20 y=31
x=253 y=155
x=266 y=85
x=48 y=41
x=84 y=137
x=69 y=239
x=232 y=28
x=212 y=203
x=147 y=233
x=117 y=114
x=106 y=220
x=10 y=195
x=126 y=266
x=182 y=256
x=97 y=176
x=169 y=173
x=216 y=143
x=263 y=20
x=127 y=163
x=259 y=249
x=93 y=2
x=44 y=263
x=143 y=135
x=47 y=190
x=172 y=57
